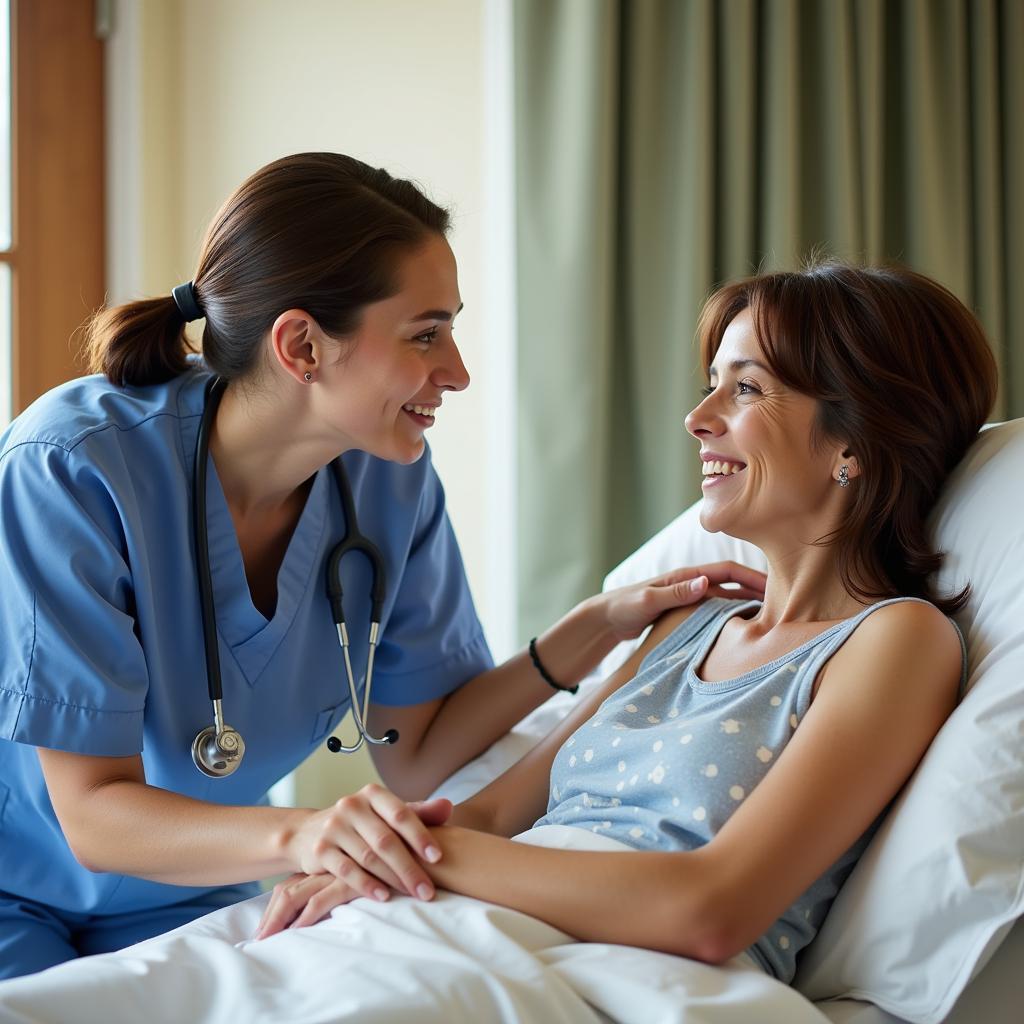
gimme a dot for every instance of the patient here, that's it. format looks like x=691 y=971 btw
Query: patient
x=750 y=748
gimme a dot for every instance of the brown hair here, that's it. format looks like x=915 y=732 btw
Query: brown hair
x=902 y=374
x=316 y=231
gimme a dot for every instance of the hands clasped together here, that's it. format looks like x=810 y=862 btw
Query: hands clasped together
x=372 y=843
x=366 y=844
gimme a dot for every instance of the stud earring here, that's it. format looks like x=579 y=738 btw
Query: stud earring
x=844 y=475
x=308 y=376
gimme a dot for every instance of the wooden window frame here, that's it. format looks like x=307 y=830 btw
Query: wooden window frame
x=57 y=253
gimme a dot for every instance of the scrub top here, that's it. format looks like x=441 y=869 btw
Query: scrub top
x=101 y=648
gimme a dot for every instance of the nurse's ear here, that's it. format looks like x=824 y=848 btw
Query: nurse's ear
x=297 y=345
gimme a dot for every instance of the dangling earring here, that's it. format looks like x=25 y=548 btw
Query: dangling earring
x=844 y=475
x=308 y=376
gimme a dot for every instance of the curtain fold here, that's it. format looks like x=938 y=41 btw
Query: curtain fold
x=566 y=102
x=665 y=146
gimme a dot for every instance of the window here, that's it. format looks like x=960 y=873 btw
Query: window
x=5 y=211
x=51 y=192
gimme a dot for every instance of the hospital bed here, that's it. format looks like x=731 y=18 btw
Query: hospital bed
x=926 y=930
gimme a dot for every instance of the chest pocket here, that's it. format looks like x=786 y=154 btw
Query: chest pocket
x=4 y=793
x=326 y=720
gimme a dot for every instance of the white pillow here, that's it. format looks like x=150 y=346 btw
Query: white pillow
x=943 y=880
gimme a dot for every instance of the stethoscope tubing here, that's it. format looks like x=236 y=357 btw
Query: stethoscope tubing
x=217 y=751
x=214 y=393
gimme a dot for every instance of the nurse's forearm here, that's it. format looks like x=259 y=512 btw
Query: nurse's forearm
x=662 y=901
x=483 y=710
x=131 y=828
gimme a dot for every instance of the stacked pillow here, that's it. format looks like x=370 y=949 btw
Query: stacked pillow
x=943 y=881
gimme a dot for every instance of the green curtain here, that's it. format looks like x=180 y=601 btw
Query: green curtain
x=666 y=146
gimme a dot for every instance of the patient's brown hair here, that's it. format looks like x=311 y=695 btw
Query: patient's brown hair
x=903 y=376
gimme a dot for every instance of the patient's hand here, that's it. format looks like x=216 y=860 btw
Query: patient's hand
x=301 y=900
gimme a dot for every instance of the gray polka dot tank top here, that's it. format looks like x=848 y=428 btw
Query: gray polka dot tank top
x=667 y=759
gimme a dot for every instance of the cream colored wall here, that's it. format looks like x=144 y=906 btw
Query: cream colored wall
x=162 y=155
x=227 y=85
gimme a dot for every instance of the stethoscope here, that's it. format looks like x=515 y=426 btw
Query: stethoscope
x=217 y=750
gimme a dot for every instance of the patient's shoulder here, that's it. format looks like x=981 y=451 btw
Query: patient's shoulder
x=909 y=643
x=906 y=625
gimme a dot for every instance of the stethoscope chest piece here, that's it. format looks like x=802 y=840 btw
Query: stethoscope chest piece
x=217 y=756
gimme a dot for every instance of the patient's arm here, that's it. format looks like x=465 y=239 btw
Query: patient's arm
x=885 y=694
x=859 y=742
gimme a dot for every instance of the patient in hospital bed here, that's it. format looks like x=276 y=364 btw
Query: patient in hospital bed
x=711 y=796
x=748 y=748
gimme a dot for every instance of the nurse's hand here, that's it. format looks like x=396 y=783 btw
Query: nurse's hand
x=630 y=610
x=369 y=838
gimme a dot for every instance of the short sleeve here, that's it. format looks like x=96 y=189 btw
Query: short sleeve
x=72 y=671
x=433 y=641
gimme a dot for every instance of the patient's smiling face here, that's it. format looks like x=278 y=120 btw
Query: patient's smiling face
x=786 y=490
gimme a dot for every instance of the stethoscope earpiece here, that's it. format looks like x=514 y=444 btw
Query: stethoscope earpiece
x=217 y=750
x=335 y=746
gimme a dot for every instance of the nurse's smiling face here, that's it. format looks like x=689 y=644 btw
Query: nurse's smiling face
x=382 y=387
x=786 y=487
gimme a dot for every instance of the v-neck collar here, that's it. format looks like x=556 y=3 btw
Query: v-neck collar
x=251 y=637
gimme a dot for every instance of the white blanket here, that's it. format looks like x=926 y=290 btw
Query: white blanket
x=454 y=960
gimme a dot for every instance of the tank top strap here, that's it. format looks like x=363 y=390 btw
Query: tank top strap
x=696 y=626
x=831 y=640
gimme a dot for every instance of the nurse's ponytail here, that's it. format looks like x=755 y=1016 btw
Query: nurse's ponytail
x=138 y=343
x=320 y=232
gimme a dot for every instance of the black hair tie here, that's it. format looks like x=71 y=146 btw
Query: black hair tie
x=185 y=299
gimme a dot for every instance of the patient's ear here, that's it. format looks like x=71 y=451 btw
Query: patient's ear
x=849 y=460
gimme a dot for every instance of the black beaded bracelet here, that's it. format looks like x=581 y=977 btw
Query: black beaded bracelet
x=544 y=672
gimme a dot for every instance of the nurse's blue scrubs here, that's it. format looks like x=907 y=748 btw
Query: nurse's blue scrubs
x=101 y=639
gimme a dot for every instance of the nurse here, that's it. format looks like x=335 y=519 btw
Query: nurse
x=329 y=294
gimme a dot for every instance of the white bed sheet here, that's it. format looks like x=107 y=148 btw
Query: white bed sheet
x=455 y=960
